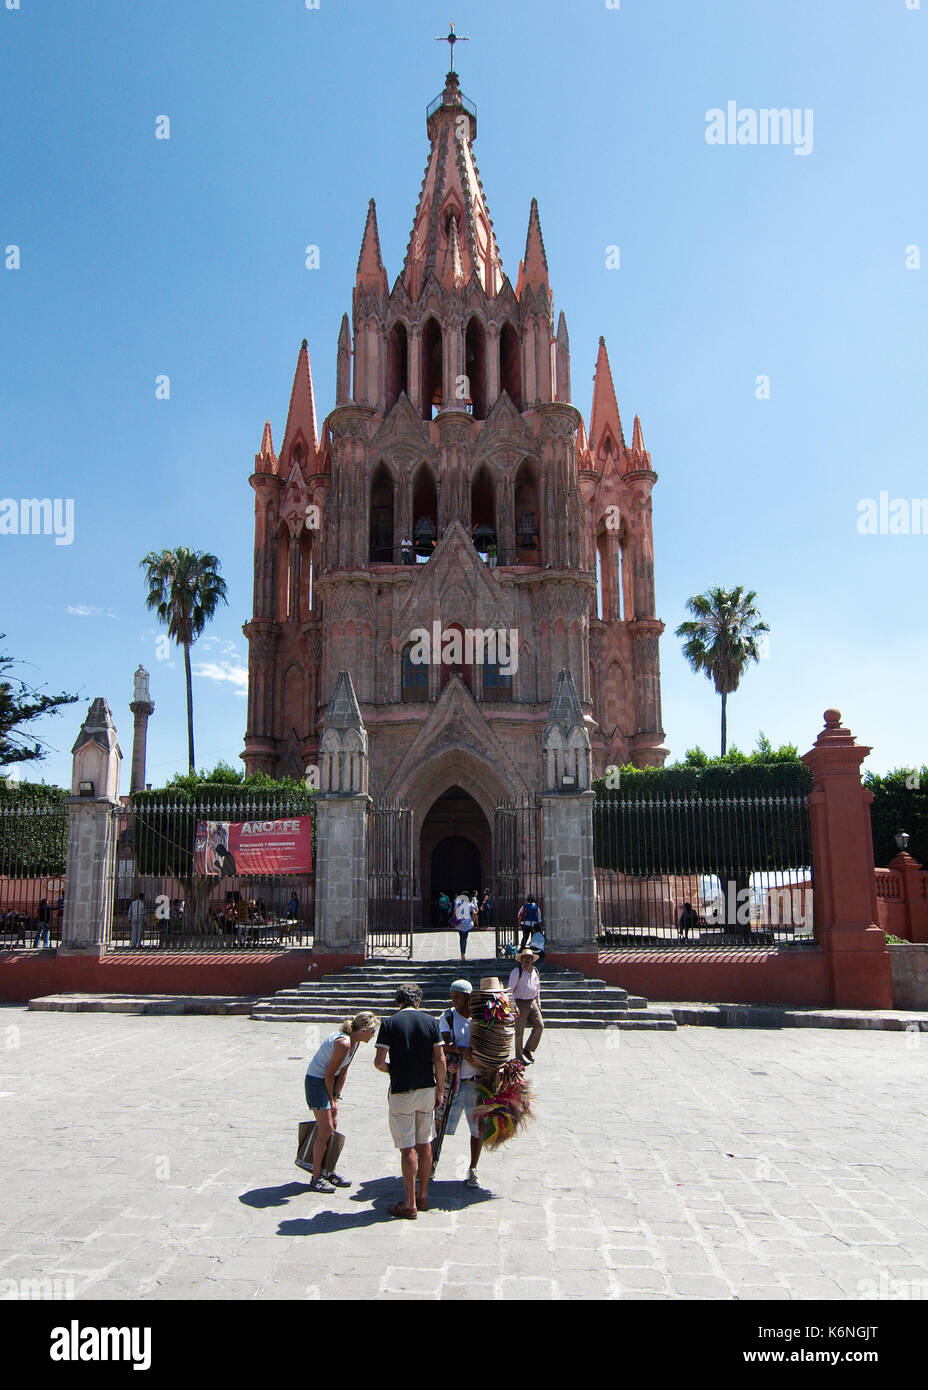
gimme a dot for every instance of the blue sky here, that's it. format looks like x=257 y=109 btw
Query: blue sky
x=186 y=257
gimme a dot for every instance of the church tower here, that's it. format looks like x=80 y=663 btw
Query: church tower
x=453 y=489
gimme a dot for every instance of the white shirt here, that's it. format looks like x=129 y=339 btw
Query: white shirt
x=465 y=915
x=460 y=1037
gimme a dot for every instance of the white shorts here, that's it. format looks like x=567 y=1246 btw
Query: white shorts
x=412 y=1117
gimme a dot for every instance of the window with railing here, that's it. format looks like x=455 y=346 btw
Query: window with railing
x=415 y=678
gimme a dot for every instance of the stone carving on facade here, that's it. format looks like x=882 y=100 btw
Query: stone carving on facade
x=343 y=747
x=565 y=742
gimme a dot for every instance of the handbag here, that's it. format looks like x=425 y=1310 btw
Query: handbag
x=306 y=1137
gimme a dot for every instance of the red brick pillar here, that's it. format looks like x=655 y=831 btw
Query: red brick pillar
x=914 y=905
x=844 y=884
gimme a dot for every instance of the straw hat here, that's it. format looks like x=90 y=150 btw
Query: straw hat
x=520 y=955
x=490 y=984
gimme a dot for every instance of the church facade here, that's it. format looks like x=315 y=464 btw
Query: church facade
x=454 y=534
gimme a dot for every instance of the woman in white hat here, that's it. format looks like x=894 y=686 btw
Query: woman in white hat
x=525 y=987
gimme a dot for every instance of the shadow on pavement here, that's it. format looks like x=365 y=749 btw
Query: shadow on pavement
x=273 y=1196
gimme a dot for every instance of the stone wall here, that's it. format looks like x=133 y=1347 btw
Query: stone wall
x=910 y=976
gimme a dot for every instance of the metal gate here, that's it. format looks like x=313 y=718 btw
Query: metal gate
x=517 y=858
x=389 y=881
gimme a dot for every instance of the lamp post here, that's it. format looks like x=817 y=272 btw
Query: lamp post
x=902 y=841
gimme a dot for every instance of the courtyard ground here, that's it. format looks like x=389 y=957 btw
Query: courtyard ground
x=153 y=1158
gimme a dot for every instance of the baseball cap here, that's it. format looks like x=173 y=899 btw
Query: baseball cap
x=461 y=987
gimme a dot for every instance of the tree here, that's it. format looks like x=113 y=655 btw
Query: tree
x=721 y=639
x=20 y=703
x=184 y=590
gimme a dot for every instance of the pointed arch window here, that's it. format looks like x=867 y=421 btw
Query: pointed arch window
x=475 y=367
x=424 y=514
x=526 y=516
x=397 y=364
x=432 y=375
x=510 y=365
x=483 y=514
x=381 y=549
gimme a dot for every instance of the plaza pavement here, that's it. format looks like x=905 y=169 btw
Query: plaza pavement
x=153 y=1158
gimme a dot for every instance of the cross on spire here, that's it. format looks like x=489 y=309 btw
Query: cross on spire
x=452 y=38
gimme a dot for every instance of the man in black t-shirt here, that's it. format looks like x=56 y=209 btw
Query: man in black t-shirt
x=416 y=1068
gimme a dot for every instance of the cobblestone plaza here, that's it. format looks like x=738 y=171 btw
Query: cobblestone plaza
x=153 y=1158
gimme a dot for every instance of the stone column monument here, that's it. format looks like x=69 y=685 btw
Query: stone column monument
x=143 y=708
x=92 y=832
x=567 y=803
x=342 y=809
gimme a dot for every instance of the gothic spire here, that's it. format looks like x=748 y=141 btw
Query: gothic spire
x=301 y=429
x=534 y=269
x=562 y=360
x=371 y=274
x=266 y=459
x=640 y=456
x=453 y=274
x=452 y=189
x=605 y=421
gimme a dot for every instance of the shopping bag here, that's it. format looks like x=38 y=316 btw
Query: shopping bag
x=306 y=1137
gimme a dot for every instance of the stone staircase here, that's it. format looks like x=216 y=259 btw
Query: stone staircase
x=568 y=999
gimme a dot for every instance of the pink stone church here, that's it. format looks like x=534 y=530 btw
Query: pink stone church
x=458 y=489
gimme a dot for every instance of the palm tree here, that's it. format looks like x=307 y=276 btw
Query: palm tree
x=184 y=590
x=722 y=638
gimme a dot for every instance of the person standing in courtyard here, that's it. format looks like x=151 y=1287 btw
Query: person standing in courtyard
x=323 y=1086
x=137 y=919
x=410 y=1051
x=525 y=986
x=529 y=920
x=461 y=1098
x=464 y=907
x=43 y=924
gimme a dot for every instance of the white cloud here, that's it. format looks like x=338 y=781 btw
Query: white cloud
x=224 y=671
x=87 y=610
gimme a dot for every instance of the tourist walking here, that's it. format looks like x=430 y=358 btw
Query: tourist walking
x=460 y=1095
x=411 y=1052
x=689 y=919
x=464 y=910
x=444 y=910
x=487 y=906
x=529 y=920
x=323 y=1086
x=43 y=924
x=137 y=919
x=525 y=987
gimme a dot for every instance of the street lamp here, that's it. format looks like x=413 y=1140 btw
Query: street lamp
x=902 y=841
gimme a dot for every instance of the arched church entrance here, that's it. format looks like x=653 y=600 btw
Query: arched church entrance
x=455 y=847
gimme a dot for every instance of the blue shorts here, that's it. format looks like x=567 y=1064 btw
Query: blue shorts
x=464 y=1101
x=317 y=1097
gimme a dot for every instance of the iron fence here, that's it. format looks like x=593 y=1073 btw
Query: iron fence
x=712 y=871
x=33 y=854
x=179 y=885
x=517 y=868
x=390 y=881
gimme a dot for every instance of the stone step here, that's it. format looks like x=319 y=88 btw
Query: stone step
x=620 y=1019
x=570 y=999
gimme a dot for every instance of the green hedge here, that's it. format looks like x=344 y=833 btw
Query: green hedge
x=33 y=830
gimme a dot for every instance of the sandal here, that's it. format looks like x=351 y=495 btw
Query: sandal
x=400 y=1210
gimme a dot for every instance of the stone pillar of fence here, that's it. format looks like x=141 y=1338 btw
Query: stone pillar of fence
x=92 y=833
x=342 y=808
x=567 y=802
x=843 y=880
x=912 y=897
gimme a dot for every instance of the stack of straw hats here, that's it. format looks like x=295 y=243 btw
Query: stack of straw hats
x=491 y=1041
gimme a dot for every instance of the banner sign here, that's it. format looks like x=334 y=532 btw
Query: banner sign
x=227 y=849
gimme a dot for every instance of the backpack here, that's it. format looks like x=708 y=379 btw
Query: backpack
x=532 y=914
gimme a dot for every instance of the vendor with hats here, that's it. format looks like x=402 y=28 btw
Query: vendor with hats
x=525 y=987
x=461 y=1089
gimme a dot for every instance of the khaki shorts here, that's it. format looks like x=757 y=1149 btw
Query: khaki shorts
x=412 y=1117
